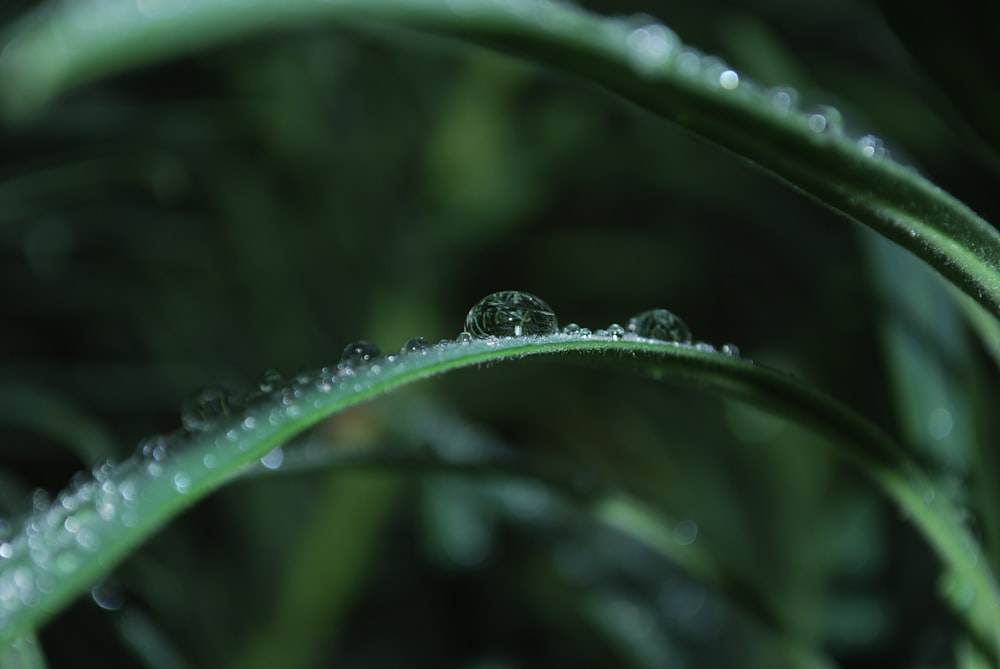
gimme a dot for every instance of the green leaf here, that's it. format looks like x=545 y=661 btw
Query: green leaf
x=50 y=51
x=61 y=550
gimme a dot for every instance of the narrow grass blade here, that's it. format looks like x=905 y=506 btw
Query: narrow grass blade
x=61 y=551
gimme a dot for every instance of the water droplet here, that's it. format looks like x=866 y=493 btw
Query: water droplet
x=155 y=448
x=616 y=331
x=6 y=550
x=358 y=353
x=826 y=120
x=270 y=381
x=872 y=147
x=660 y=324
x=704 y=346
x=729 y=80
x=511 y=313
x=416 y=345
x=204 y=410
x=571 y=328
x=685 y=532
x=784 y=98
x=651 y=46
x=108 y=594
x=584 y=332
x=731 y=350
x=464 y=337
x=273 y=459
x=689 y=62
x=182 y=482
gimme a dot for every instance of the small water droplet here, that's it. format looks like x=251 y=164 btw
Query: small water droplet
x=182 y=482
x=416 y=345
x=207 y=408
x=731 y=350
x=689 y=62
x=358 y=353
x=41 y=500
x=704 y=346
x=273 y=459
x=784 y=98
x=660 y=324
x=571 y=328
x=464 y=337
x=270 y=381
x=601 y=332
x=685 y=532
x=872 y=147
x=155 y=448
x=584 y=332
x=108 y=594
x=511 y=313
x=729 y=80
x=6 y=550
x=616 y=331
x=826 y=120
x=651 y=46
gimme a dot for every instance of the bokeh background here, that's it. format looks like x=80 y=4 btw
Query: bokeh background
x=261 y=204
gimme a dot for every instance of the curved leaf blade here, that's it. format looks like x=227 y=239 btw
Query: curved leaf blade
x=48 y=52
x=61 y=550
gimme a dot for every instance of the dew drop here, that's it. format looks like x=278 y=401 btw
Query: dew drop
x=729 y=80
x=270 y=381
x=584 y=332
x=660 y=324
x=571 y=329
x=511 y=313
x=464 y=337
x=616 y=331
x=155 y=448
x=651 y=46
x=182 y=482
x=784 y=98
x=206 y=409
x=826 y=120
x=108 y=594
x=273 y=459
x=685 y=532
x=731 y=350
x=416 y=345
x=358 y=353
x=872 y=147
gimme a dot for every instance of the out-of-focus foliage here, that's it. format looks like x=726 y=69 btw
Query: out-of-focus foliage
x=260 y=205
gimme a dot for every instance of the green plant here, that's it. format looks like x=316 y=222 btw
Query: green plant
x=198 y=187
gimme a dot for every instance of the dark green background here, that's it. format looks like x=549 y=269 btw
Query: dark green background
x=262 y=204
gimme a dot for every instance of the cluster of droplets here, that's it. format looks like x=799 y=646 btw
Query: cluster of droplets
x=512 y=313
x=59 y=533
x=655 y=51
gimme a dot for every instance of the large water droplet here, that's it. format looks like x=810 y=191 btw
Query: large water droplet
x=660 y=324
x=511 y=313
x=358 y=353
x=204 y=411
x=416 y=345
